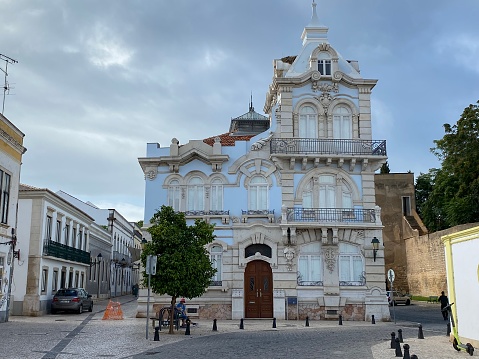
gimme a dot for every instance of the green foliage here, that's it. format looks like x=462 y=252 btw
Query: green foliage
x=140 y=224
x=385 y=168
x=183 y=267
x=454 y=196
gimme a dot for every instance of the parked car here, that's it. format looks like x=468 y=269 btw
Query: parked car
x=398 y=298
x=72 y=299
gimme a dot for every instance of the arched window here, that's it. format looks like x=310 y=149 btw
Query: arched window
x=196 y=194
x=174 y=195
x=342 y=123
x=309 y=265
x=308 y=121
x=216 y=262
x=324 y=64
x=327 y=191
x=351 y=266
x=308 y=195
x=258 y=194
x=216 y=195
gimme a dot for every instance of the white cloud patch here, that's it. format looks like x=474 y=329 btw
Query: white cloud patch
x=131 y=212
x=105 y=49
x=214 y=58
x=382 y=119
x=464 y=48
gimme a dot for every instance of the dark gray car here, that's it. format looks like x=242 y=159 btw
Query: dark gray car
x=72 y=299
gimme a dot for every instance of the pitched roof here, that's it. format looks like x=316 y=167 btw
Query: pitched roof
x=226 y=139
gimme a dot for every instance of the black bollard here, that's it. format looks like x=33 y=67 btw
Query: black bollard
x=406 y=352
x=215 y=328
x=393 y=340
x=307 y=321
x=420 y=334
x=340 y=319
x=398 y=348
x=274 y=322
x=156 y=338
x=400 y=336
x=241 y=324
x=373 y=321
x=187 y=331
x=414 y=356
x=448 y=329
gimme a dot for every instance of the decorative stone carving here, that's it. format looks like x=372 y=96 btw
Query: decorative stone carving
x=330 y=258
x=151 y=173
x=261 y=143
x=337 y=76
x=235 y=219
x=327 y=87
x=325 y=99
x=289 y=253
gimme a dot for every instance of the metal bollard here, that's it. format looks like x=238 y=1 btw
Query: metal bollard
x=406 y=352
x=307 y=321
x=448 y=329
x=340 y=319
x=400 y=336
x=156 y=338
x=187 y=331
x=393 y=340
x=241 y=324
x=274 y=322
x=373 y=321
x=215 y=328
x=420 y=334
x=398 y=348
x=414 y=356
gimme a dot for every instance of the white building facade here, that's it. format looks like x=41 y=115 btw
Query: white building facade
x=291 y=194
x=11 y=152
x=54 y=240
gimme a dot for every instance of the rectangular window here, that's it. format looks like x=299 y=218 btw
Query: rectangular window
x=74 y=237
x=174 y=195
x=324 y=67
x=80 y=240
x=76 y=280
x=216 y=197
x=58 y=234
x=4 y=196
x=67 y=233
x=350 y=268
x=48 y=234
x=55 y=281
x=2 y=264
x=309 y=270
x=82 y=278
x=44 y=280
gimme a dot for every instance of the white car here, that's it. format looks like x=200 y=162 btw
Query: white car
x=398 y=298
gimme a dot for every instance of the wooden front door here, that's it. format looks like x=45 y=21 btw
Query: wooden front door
x=258 y=282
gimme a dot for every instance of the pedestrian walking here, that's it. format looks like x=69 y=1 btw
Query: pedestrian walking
x=444 y=302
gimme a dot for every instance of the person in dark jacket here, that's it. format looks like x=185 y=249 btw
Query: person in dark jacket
x=444 y=302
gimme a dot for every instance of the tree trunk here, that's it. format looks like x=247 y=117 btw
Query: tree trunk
x=172 y=314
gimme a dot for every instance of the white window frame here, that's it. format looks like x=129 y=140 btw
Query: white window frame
x=258 y=193
x=308 y=122
x=174 y=194
x=351 y=265
x=216 y=258
x=196 y=194
x=55 y=280
x=48 y=227
x=342 y=123
x=310 y=264
x=324 y=67
x=44 y=281
x=216 y=194
x=5 y=184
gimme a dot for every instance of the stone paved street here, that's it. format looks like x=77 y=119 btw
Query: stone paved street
x=75 y=336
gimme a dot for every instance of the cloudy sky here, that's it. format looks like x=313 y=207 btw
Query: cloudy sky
x=97 y=80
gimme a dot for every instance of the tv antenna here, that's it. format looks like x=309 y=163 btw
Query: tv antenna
x=6 y=85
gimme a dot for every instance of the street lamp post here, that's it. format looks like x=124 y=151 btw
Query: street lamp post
x=99 y=258
x=375 y=243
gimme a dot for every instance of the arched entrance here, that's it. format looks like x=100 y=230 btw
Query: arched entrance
x=258 y=283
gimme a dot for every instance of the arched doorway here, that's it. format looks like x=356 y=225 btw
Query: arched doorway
x=258 y=282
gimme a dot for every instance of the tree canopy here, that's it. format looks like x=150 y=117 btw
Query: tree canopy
x=183 y=267
x=449 y=196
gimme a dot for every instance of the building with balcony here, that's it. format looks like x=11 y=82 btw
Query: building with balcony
x=292 y=195
x=11 y=152
x=54 y=243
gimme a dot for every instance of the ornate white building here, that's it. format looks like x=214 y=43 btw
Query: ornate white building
x=291 y=194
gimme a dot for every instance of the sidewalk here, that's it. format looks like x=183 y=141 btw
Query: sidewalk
x=127 y=337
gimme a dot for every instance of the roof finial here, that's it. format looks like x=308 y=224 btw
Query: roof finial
x=314 y=18
x=251 y=108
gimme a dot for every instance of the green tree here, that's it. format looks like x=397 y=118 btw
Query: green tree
x=385 y=168
x=183 y=268
x=454 y=198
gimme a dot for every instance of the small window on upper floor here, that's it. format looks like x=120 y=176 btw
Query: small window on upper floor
x=174 y=195
x=324 y=64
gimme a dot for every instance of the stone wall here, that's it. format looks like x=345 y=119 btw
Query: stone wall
x=426 y=266
x=316 y=312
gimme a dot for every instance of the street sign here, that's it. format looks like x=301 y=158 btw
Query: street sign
x=151 y=264
x=391 y=275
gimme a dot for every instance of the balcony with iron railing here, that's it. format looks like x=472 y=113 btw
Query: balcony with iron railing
x=330 y=215
x=58 y=250
x=315 y=146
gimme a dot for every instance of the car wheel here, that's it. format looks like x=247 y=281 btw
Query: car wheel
x=53 y=311
x=80 y=309
x=90 y=309
x=408 y=302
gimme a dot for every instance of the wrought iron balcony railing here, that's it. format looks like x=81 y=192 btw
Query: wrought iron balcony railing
x=328 y=146
x=55 y=249
x=206 y=213
x=294 y=214
x=252 y=212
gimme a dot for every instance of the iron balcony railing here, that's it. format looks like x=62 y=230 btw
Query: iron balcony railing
x=55 y=249
x=294 y=214
x=328 y=146
x=252 y=212
x=206 y=213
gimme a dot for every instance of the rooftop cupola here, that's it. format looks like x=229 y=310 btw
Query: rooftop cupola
x=314 y=31
x=251 y=123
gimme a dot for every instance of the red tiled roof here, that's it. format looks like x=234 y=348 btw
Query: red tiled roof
x=226 y=139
